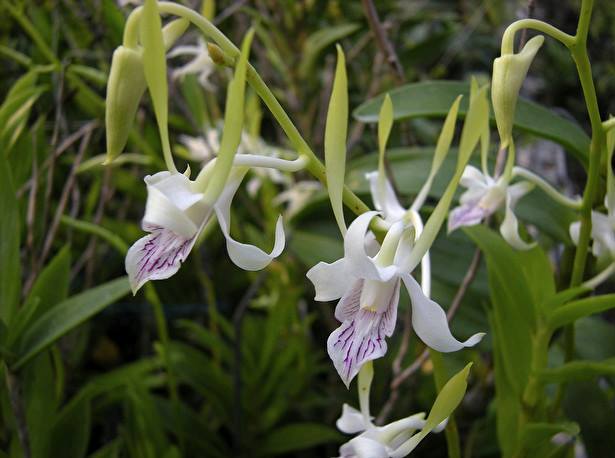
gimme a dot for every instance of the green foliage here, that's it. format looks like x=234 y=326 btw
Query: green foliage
x=204 y=366
x=430 y=99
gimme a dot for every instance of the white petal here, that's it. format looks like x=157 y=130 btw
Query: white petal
x=385 y=199
x=441 y=426
x=603 y=233
x=362 y=447
x=156 y=256
x=184 y=51
x=198 y=148
x=351 y=421
x=350 y=303
x=359 y=263
x=473 y=177
x=510 y=226
x=429 y=321
x=172 y=204
x=361 y=336
x=246 y=256
x=467 y=214
x=575 y=230
x=330 y=280
x=392 y=430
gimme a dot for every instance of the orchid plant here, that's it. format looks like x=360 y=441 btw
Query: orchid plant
x=382 y=246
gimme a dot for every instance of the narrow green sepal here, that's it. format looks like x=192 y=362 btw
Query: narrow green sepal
x=335 y=139
x=155 y=69
x=233 y=127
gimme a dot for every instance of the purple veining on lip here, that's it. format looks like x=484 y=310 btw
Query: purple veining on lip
x=468 y=214
x=360 y=338
x=162 y=253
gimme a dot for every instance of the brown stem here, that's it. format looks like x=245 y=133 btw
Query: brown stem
x=382 y=40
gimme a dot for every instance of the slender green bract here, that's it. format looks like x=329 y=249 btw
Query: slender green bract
x=447 y=401
x=335 y=139
x=233 y=126
x=155 y=69
x=470 y=135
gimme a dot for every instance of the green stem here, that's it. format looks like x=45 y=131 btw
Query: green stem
x=508 y=39
x=440 y=378
x=575 y=204
x=314 y=166
x=581 y=59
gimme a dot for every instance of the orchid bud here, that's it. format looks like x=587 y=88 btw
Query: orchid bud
x=509 y=72
x=125 y=88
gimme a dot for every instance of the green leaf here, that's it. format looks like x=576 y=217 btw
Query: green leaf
x=314 y=246
x=560 y=298
x=66 y=316
x=10 y=265
x=577 y=370
x=449 y=398
x=74 y=422
x=447 y=401
x=433 y=99
x=51 y=286
x=15 y=109
x=40 y=400
x=195 y=429
x=297 y=436
x=319 y=40
x=574 y=310
x=514 y=313
x=335 y=139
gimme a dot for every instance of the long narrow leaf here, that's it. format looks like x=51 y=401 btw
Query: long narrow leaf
x=66 y=316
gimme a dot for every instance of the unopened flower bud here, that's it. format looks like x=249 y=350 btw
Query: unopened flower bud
x=509 y=72
x=125 y=88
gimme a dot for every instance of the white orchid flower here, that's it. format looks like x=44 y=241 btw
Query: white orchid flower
x=485 y=196
x=175 y=215
x=368 y=284
x=201 y=64
x=368 y=289
x=378 y=441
